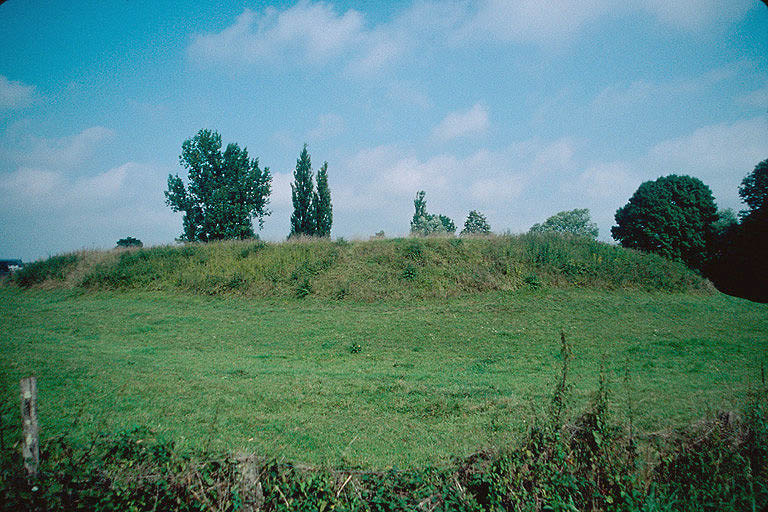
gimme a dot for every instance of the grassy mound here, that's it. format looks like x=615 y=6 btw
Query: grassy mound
x=372 y=270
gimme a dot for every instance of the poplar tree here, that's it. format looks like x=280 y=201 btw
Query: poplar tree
x=321 y=204
x=302 y=220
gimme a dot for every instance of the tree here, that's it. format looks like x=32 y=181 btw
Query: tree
x=476 y=224
x=671 y=216
x=740 y=262
x=447 y=223
x=225 y=191
x=302 y=219
x=321 y=204
x=129 y=241
x=575 y=222
x=754 y=190
x=426 y=224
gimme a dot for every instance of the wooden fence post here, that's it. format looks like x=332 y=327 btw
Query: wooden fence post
x=30 y=446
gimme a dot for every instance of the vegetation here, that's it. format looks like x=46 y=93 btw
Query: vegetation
x=129 y=241
x=671 y=216
x=321 y=204
x=374 y=384
x=371 y=270
x=476 y=224
x=225 y=190
x=739 y=261
x=425 y=224
x=592 y=462
x=574 y=222
x=312 y=213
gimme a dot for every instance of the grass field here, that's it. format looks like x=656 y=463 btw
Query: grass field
x=382 y=384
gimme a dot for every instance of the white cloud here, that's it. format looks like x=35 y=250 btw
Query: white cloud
x=553 y=23
x=604 y=180
x=60 y=153
x=281 y=189
x=757 y=98
x=710 y=150
x=693 y=15
x=328 y=126
x=462 y=123
x=15 y=94
x=315 y=30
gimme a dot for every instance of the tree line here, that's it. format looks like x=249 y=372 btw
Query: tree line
x=227 y=190
x=674 y=216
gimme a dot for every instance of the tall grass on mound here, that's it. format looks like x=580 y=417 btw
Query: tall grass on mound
x=588 y=464
x=376 y=269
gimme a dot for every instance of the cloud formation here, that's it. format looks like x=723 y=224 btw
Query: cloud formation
x=315 y=30
x=462 y=123
x=14 y=94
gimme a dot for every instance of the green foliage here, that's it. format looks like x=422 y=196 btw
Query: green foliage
x=302 y=219
x=55 y=268
x=129 y=241
x=312 y=210
x=587 y=463
x=738 y=262
x=754 y=189
x=671 y=216
x=574 y=222
x=321 y=204
x=476 y=224
x=371 y=270
x=426 y=224
x=225 y=191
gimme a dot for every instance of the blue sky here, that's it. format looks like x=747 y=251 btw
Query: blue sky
x=518 y=109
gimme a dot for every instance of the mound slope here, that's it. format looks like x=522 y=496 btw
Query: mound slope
x=368 y=270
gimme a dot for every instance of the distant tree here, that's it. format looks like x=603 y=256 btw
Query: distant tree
x=575 y=222
x=303 y=222
x=420 y=208
x=225 y=191
x=424 y=223
x=447 y=223
x=671 y=216
x=129 y=241
x=321 y=204
x=476 y=224
x=754 y=190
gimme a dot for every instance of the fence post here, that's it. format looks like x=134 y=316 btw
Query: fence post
x=30 y=446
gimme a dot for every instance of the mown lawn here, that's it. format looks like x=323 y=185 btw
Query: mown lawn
x=430 y=380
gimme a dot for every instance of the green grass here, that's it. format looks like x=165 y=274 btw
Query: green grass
x=367 y=271
x=432 y=378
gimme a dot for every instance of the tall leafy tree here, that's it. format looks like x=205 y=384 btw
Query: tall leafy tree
x=321 y=204
x=740 y=262
x=671 y=216
x=225 y=191
x=754 y=190
x=424 y=223
x=302 y=219
x=574 y=222
x=476 y=224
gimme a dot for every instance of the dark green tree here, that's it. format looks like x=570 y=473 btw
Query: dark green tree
x=225 y=190
x=420 y=208
x=754 y=190
x=575 y=222
x=321 y=204
x=671 y=216
x=447 y=223
x=129 y=241
x=739 y=264
x=302 y=188
x=476 y=224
